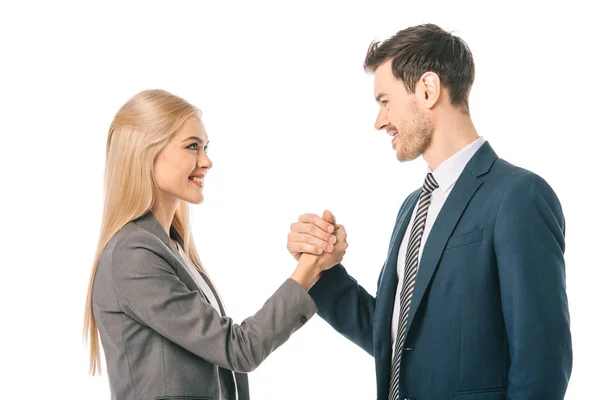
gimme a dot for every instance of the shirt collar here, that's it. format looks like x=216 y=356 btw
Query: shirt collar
x=447 y=173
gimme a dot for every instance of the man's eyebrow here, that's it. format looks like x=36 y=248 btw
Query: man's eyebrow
x=379 y=96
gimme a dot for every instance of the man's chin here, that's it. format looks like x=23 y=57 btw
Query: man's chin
x=403 y=157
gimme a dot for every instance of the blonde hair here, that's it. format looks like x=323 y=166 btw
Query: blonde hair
x=139 y=131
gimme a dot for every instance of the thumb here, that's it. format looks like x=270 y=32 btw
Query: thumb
x=328 y=216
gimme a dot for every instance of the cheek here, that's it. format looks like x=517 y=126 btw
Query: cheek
x=169 y=171
x=160 y=171
x=188 y=166
x=395 y=115
x=181 y=169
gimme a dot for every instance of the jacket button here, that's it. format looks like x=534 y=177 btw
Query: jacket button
x=303 y=319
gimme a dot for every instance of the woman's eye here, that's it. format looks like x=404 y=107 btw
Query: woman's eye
x=193 y=146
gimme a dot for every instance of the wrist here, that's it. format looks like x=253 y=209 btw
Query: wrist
x=307 y=272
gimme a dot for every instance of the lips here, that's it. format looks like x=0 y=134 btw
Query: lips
x=394 y=135
x=197 y=180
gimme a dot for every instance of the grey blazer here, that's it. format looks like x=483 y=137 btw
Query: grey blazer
x=161 y=337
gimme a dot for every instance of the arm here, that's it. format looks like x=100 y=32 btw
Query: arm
x=340 y=300
x=529 y=244
x=346 y=306
x=150 y=292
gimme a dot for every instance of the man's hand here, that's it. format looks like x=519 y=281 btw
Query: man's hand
x=317 y=244
x=312 y=234
x=329 y=259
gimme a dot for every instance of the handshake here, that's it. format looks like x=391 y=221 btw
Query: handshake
x=317 y=243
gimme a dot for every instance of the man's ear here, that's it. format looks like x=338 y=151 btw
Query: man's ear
x=428 y=89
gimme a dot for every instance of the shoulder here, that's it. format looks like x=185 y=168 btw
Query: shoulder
x=513 y=180
x=522 y=182
x=521 y=190
x=133 y=248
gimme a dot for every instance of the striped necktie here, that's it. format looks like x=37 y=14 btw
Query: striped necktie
x=410 y=276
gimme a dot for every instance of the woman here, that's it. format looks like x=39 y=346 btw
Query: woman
x=163 y=329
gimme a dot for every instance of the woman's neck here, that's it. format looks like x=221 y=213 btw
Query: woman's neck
x=164 y=212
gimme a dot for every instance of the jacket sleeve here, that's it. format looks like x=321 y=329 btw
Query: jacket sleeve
x=346 y=306
x=149 y=291
x=529 y=244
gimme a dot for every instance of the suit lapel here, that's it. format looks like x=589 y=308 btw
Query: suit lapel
x=149 y=222
x=214 y=290
x=384 y=306
x=467 y=184
x=243 y=388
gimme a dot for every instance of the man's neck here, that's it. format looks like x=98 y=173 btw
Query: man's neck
x=454 y=131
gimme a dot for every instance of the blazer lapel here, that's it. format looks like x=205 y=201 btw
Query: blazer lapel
x=386 y=292
x=243 y=388
x=464 y=189
x=149 y=222
x=214 y=290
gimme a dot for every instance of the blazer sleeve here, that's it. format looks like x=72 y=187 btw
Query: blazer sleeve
x=529 y=244
x=149 y=291
x=346 y=306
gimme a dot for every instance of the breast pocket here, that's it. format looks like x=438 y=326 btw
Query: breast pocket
x=489 y=394
x=462 y=239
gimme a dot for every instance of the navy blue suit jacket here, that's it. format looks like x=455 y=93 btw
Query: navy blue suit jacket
x=489 y=318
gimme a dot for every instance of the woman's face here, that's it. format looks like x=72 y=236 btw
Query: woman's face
x=180 y=168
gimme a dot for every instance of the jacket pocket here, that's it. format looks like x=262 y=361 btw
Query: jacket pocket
x=485 y=394
x=463 y=239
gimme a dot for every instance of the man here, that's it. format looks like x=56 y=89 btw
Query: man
x=471 y=301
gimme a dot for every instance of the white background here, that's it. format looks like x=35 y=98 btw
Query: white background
x=289 y=112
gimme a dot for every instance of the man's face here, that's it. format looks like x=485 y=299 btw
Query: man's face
x=400 y=115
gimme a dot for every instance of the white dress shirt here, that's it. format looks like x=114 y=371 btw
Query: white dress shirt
x=212 y=297
x=446 y=175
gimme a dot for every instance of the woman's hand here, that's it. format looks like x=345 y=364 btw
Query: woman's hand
x=312 y=259
x=329 y=259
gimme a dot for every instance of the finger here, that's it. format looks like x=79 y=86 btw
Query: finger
x=305 y=227
x=340 y=232
x=301 y=247
x=318 y=221
x=309 y=239
x=342 y=245
x=328 y=216
x=306 y=217
x=310 y=229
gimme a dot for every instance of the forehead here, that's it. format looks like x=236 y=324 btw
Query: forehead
x=385 y=81
x=193 y=126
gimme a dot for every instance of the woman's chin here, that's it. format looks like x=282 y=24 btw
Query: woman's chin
x=194 y=199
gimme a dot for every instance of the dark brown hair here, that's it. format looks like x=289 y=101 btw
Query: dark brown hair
x=427 y=48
